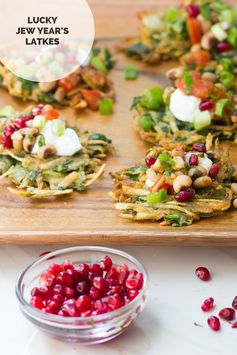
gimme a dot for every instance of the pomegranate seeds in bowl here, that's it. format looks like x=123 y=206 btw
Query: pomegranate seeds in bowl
x=83 y=290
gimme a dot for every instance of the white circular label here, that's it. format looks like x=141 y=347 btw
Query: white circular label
x=45 y=40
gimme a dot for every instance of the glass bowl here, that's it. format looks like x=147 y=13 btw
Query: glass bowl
x=88 y=330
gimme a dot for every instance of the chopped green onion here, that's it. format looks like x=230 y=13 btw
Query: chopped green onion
x=228 y=15
x=41 y=140
x=97 y=63
x=166 y=162
x=39 y=122
x=157 y=197
x=130 y=72
x=106 y=107
x=227 y=79
x=171 y=15
x=146 y=122
x=58 y=127
x=153 y=98
x=219 y=32
x=201 y=119
x=188 y=79
x=98 y=137
x=227 y=64
x=221 y=106
x=232 y=37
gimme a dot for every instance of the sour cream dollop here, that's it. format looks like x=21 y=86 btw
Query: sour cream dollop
x=66 y=145
x=184 y=107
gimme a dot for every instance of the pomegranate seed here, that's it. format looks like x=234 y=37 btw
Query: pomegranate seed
x=37 y=302
x=206 y=105
x=96 y=269
x=215 y=168
x=122 y=267
x=8 y=131
x=112 y=282
x=44 y=277
x=53 y=307
x=234 y=325
x=94 y=293
x=207 y=304
x=227 y=314
x=185 y=195
x=134 y=281
x=55 y=269
x=131 y=294
x=65 y=278
x=83 y=287
x=83 y=269
x=69 y=292
x=99 y=283
x=83 y=303
x=100 y=306
x=62 y=313
x=19 y=123
x=67 y=265
x=86 y=314
x=150 y=160
x=122 y=277
x=234 y=303
x=58 y=298
x=69 y=307
x=113 y=290
x=106 y=263
x=199 y=147
x=37 y=110
x=224 y=47
x=58 y=288
x=214 y=323
x=41 y=292
x=203 y=273
x=112 y=273
x=7 y=142
x=193 y=160
x=114 y=302
x=193 y=10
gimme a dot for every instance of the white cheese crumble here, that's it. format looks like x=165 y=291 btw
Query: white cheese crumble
x=66 y=145
x=184 y=107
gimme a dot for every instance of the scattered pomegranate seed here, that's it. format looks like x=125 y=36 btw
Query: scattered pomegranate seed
x=19 y=123
x=214 y=323
x=193 y=160
x=203 y=273
x=215 y=168
x=7 y=142
x=199 y=147
x=234 y=303
x=207 y=304
x=150 y=160
x=37 y=110
x=85 y=290
x=224 y=47
x=227 y=314
x=206 y=105
x=185 y=195
x=193 y=10
x=234 y=325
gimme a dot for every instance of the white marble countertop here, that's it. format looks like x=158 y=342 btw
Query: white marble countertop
x=166 y=326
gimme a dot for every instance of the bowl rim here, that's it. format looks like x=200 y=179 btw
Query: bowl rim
x=61 y=320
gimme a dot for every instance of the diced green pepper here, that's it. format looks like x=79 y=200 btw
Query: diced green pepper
x=130 y=72
x=153 y=98
x=106 y=107
x=145 y=122
x=157 y=197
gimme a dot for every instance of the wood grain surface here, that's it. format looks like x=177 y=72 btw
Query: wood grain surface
x=88 y=218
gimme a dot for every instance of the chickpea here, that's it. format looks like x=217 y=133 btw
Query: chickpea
x=208 y=40
x=235 y=203
x=174 y=73
x=202 y=182
x=195 y=48
x=206 y=25
x=234 y=188
x=209 y=76
x=182 y=181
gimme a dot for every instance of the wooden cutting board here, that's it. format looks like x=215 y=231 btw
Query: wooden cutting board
x=88 y=218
